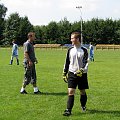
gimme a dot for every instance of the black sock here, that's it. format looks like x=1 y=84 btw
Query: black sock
x=17 y=61
x=83 y=100
x=70 y=102
x=11 y=61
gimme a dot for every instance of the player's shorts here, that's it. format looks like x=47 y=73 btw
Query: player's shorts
x=29 y=74
x=14 y=55
x=74 y=81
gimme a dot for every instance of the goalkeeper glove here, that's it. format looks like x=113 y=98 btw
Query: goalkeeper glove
x=79 y=72
x=65 y=77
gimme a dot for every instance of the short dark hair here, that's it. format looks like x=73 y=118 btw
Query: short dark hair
x=30 y=34
x=77 y=35
x=14 y=41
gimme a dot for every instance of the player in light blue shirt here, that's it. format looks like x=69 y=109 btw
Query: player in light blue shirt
x=91 y=47
x=14 y=52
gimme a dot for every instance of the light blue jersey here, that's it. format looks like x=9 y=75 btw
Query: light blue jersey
x=91 y=55
x=14 y=53
x=15 y=50
x=91 y=50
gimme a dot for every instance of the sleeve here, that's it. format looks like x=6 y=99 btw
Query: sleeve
x=85 y=58
x=26 y=47
x=16 y=47
x=67 y=62
x=13 y=50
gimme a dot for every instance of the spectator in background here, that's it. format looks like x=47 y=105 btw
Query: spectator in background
x=14 y=52
x=91 y=54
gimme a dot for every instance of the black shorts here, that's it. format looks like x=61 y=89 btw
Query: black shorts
x=74 y=80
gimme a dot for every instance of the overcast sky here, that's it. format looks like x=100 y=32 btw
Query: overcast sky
x=41 y=12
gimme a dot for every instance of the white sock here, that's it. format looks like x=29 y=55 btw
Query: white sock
x=22 y=89
x=35 y=89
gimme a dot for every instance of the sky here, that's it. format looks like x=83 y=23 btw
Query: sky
x=42 y=12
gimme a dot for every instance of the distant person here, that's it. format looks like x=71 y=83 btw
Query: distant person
x=91 y=49
x=14 y=53
x=29 y=65
x=76 y=66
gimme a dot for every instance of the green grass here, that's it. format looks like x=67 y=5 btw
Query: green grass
x=103 y=95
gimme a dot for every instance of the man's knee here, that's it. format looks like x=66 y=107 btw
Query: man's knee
x=26 y=81
x=71 y=91
x=82 y=92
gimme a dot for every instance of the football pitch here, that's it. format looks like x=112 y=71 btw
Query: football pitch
x=103 y=94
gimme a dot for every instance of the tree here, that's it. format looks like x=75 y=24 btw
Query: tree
x=117 y=32
x=24 y=28
x=11 y=28
x=52 y=32
x=3 y=11
x=39 y=34
x=16 y=27
x=65 y=30
x=76 y=26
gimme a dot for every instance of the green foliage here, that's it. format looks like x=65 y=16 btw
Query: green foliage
x=65 y=30
x=16 y=27
x=3 y=11
x=39 y=32
x=24 y=28
x=103 y=95
x=98 y=31
x=52 y=32
x=11 y=28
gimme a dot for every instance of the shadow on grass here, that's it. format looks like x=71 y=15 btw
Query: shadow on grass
x=112 y=112
x=55 y=94
x=96 y=61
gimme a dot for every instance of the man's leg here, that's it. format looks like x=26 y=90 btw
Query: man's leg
x=34 y=80
x=11 y=61
x=93 y=58
x=83 y=99
x=70 y=102
x=27 y=78
x=17 y=60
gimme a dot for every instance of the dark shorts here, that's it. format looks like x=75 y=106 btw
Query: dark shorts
x=74 y=81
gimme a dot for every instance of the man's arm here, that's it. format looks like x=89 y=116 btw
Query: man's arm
x=85 y=58
x=67 y=62
x=28 y=58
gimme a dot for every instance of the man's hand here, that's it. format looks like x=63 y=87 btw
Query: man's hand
x=65 y=77
x=30 y=63
x=36 y=61
x=80 y=72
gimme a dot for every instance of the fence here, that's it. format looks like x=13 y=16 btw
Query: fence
x=106 y=46
x=47 y=45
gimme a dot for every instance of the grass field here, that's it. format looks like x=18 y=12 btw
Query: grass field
x=103 y=95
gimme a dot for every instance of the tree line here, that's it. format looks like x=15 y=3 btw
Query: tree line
x=98 y=31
